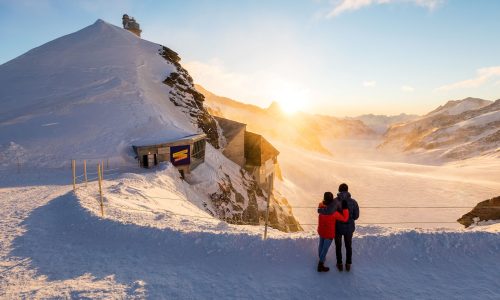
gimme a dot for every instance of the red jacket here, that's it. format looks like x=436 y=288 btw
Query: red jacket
x=326 y=223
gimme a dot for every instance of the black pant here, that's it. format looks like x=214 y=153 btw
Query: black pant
x=348 y=247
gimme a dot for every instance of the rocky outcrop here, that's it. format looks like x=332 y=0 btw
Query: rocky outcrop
x=484 y=211
x=250 y=209
x=185 y=96
x=238 y=198
x=281 y=215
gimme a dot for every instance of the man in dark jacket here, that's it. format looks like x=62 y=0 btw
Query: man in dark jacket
x=345 y=229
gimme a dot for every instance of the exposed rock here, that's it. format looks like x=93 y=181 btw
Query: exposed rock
x=484 y=211
x=230 y=206
x=185 y=96
x=280 y=215
x=228 y=203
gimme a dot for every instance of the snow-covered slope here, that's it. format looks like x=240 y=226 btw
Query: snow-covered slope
x=457 y=130
x=456 y=107
x=53 y=244
x=94 y=93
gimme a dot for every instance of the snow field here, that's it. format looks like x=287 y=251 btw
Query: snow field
x=63 y=248
x=376 y=181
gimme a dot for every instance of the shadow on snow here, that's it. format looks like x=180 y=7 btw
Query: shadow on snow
x=64 y=241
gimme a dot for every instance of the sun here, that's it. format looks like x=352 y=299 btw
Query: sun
x=290 y=100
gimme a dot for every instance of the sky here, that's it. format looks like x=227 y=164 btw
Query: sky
x=342 y=58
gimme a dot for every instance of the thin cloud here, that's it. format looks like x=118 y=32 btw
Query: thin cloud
x=343 y=6
x=484 y=75
x=369 y=84
x=407 y=89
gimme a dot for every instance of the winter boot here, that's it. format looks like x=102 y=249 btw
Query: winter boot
x=340 y=267
x=348 y=267
x=322 y=268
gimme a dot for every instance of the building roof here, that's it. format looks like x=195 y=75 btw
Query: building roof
x=230 y=128
x=167 y=143
x=258 y=150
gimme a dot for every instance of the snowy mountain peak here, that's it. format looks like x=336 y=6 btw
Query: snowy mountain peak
x=275 y=108
x=455 y=107
x=456 y=130
x=101 y=89
x=380 y=123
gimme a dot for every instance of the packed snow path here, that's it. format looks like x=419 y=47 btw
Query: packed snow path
x=51 y=246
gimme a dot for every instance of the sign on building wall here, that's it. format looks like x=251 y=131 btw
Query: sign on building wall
x=180 y=155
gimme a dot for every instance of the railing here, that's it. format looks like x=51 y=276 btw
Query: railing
x=102 y=168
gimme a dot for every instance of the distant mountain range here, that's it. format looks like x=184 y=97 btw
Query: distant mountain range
x=380 y=123
x=302 y=129
x=457 y=130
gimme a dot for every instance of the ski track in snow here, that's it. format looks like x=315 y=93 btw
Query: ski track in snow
x=55 y=245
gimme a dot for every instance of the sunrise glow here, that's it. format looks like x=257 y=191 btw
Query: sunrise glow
x=291 y=100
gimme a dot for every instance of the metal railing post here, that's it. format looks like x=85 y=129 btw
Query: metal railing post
x=270 y=189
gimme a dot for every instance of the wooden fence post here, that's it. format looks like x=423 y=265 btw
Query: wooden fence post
x=102 y=169
x=85 y=171
x=100 y=188
x=73 y=168
x=268 y=203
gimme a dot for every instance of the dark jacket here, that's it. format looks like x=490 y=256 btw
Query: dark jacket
x=349 y=226
x=330 y=208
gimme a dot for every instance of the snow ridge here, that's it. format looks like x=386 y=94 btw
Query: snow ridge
x=455 y=131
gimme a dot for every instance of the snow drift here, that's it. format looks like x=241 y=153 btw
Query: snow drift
x=61 y=248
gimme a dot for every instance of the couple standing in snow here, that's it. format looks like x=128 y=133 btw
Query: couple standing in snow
x=336 y=221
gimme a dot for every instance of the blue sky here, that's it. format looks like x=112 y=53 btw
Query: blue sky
x=345 y=57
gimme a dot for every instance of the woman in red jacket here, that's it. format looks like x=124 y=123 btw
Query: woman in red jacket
x=328 y=215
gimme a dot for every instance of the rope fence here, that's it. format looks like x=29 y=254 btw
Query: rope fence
x=111 y=173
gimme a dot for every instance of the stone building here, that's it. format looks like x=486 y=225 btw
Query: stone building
x=261 y=159
x=234 y=132
x=185 y=153
x=250 y=150
x=131 y=25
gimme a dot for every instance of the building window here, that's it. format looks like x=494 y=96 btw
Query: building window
x=199 y=149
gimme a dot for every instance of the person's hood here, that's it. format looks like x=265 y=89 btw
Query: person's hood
x=344 y=196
